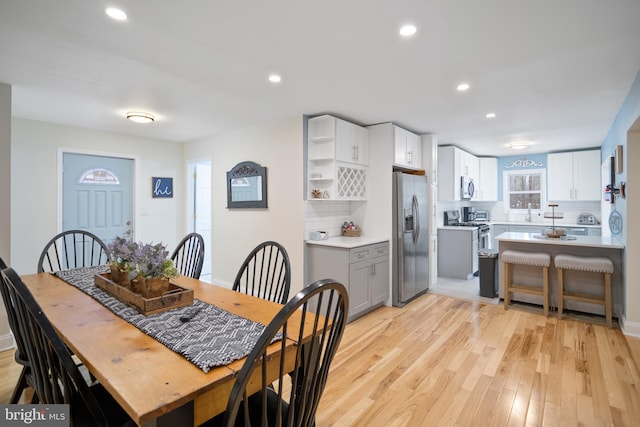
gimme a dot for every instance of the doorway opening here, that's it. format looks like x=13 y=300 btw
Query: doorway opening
x=200 y=210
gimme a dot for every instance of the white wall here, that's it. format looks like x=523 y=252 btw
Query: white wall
x=279 y=147
x=6 y=339
x=35 y=197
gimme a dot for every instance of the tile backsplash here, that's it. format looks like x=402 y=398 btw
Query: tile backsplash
x=325 y=216
x=570 y=210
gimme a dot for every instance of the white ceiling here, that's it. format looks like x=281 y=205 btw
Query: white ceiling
x=554 y=72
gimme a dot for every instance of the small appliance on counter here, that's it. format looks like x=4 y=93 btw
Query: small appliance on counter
x=483 y=216
x=318 y=235
x=468 y=214
x=451 y=217
x=586 y=218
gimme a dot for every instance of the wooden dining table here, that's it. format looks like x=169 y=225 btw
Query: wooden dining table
x=155 y=385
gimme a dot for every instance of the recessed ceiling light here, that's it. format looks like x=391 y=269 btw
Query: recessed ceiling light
x=463 y=87
x=408 y=30
x=274 y=78
x=519 y=145
x=116 y=14
x=490 y=115
x=140 y=117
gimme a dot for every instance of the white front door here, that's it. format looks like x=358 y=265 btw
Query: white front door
x=97 y=194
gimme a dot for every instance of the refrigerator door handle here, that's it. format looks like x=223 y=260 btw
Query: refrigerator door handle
x=416 y=216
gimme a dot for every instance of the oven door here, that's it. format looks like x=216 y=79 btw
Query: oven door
x=484 y=240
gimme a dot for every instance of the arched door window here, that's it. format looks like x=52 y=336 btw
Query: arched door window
x=99 y=176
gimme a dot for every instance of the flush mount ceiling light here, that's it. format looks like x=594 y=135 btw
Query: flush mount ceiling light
x=490 y=115
x=519 y=145
x=274 y=78
x=140 y=117
x=116 y=14
x=408 y=30
x=462 y=87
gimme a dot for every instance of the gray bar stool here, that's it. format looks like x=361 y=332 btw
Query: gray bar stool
x=535 y=259
x=591 y=264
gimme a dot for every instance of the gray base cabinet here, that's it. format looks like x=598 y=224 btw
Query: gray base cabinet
x=457 y=253
x=364 y=271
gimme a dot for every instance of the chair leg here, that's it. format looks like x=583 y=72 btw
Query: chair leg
x=507 y=282
x=607 y=299
x=560 y=293
x=20 y=386
x=545 y=290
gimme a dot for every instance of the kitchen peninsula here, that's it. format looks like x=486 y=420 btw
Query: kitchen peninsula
x=583 y=282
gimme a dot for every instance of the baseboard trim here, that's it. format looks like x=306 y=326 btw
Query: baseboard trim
x=6 y=342
x=630 y=328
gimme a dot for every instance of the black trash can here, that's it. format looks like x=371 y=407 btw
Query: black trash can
x=488 y=272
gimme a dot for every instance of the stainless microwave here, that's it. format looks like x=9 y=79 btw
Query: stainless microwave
x=466 y=187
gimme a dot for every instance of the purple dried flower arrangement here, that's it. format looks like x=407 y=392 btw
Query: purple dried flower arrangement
x=152 y=261
x=141 y=259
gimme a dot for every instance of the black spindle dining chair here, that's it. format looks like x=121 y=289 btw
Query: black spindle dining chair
x=20 y=355
x=73 y=249
x=189 y=255
x=56 y=378
x=265 y=273
x=291 y=400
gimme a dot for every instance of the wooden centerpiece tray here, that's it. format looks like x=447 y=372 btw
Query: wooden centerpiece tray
x=175 y=297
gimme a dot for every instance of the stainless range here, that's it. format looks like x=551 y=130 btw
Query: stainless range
x=452 y=218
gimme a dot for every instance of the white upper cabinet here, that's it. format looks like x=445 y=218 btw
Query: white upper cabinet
x=574 y=176
x=469 y=165
x=430 y=157
x=487 y=187
x=452 y=164
x=338 y=154
x=408 y=148
x=352 y=143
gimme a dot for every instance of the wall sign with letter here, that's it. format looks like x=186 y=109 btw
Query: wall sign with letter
x=161 y=187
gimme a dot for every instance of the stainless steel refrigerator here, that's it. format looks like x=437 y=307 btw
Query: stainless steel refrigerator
x=410 y=237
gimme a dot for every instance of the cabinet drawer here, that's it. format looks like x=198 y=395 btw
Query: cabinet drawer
x=367 y=252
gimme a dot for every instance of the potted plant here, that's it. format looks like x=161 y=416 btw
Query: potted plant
x=154 y=269
x=121 y=260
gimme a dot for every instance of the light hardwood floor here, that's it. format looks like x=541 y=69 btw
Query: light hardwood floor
x=446 y=361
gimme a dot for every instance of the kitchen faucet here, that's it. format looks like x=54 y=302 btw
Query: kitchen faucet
x=528 y=217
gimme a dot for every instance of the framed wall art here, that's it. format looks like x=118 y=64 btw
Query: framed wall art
x=161 y=188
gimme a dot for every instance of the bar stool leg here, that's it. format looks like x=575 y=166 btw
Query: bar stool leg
x=607 y=298
x=560 y=292
x=507 y=281
x=545 y=290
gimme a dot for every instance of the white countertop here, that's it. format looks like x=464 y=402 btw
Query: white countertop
x=457 y=227
x=545 y=223
x=609 y=242
x=348 y=242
